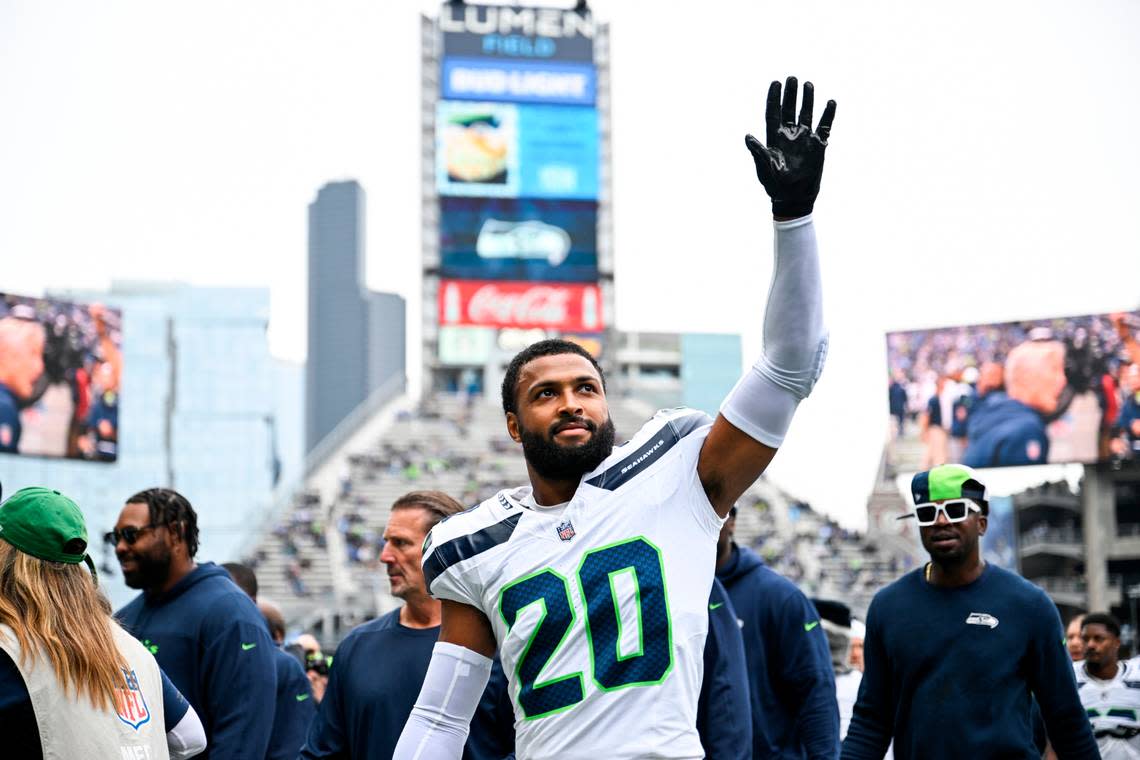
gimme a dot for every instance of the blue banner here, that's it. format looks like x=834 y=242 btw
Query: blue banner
x=503 y=239
x=502 y=150
x=518 y=81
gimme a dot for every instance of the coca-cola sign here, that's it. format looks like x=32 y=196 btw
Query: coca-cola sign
x=554 y=306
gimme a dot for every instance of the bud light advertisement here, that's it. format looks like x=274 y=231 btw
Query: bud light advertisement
x=502 y=239
x=572 y=84
x=553 y=306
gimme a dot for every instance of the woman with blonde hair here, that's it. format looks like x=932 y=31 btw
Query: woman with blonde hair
x=73 y=684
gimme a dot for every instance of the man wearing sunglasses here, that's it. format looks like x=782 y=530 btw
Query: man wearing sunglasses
x=955 y=650
x=205 y=633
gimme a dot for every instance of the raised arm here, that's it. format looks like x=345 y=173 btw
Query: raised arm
x=755 y=417
x=456 y=677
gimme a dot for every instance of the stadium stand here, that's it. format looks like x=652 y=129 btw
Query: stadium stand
x=320 y=556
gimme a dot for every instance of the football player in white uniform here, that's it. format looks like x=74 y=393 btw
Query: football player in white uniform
x=1109 y=689
x=593 y=581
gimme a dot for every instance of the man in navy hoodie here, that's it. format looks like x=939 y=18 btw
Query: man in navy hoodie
x=791 y=682
x=202 y=629
x=724 y=719
x=957 y=651
x=295 y=704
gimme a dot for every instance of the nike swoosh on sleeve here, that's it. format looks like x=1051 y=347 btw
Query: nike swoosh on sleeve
x=716 y=606
x=247 y=647
x=811 y=625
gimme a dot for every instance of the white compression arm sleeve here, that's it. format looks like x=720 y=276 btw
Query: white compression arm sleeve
x=188 y=738
x=795 y=340
x=437 y=728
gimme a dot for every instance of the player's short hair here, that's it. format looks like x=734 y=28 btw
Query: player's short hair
x=1102 y=618
x=436 y=504
x=171 y=509
x=244 y=577
x=551 y=347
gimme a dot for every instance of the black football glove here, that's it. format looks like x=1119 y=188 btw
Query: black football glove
x=791 y=165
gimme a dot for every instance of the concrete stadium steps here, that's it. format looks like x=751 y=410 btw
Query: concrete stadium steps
x=274 y=585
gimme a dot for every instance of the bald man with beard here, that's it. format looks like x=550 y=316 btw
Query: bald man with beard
x=1009 y=428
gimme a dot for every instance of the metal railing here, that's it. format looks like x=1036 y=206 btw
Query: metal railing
x=1040 y=536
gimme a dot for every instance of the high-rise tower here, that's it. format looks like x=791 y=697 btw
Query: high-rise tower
x=356 y=338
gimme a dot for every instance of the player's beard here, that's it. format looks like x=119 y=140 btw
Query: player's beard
x=556 y=462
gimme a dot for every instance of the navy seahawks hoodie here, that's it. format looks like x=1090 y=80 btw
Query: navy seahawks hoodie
x=209 y=637
x=724 y=719
x=791 y=682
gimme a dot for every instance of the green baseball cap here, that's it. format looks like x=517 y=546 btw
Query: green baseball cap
x=948 y=481
x=45 y=524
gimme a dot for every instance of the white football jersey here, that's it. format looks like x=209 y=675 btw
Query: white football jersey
x=1113 y=708
x=600 y=610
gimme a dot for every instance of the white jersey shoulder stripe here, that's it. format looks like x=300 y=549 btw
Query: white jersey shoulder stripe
x=651 y=443
x=443 y=555
x=478 y=517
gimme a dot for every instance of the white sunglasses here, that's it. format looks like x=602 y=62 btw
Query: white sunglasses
x=955 y=510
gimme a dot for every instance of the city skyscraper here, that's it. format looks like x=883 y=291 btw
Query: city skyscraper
x=356 y=338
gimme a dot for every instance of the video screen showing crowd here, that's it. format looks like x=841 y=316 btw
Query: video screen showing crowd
x=602 y=610
x=61 y=366
x=1018 y=393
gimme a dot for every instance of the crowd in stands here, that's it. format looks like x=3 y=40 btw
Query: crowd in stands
x=431 y=447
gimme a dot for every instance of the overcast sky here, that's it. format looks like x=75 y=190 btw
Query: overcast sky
x=983 y=167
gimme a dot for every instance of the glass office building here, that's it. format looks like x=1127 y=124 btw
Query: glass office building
x=198 y=412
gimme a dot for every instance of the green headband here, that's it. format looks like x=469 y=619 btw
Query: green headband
x=47 y=525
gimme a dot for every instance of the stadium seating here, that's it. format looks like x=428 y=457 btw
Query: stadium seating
x=458 y=445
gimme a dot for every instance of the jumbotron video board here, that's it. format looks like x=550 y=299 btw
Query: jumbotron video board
x=1044 y=391
x=517 y=165
x=61 y=367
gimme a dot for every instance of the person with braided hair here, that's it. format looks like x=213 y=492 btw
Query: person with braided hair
x=206 y=634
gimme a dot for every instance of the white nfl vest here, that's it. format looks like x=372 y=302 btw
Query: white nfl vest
x=72 y=728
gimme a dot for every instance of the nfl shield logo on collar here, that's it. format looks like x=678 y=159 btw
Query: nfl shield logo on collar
x=130 y=703
x=566 y=530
